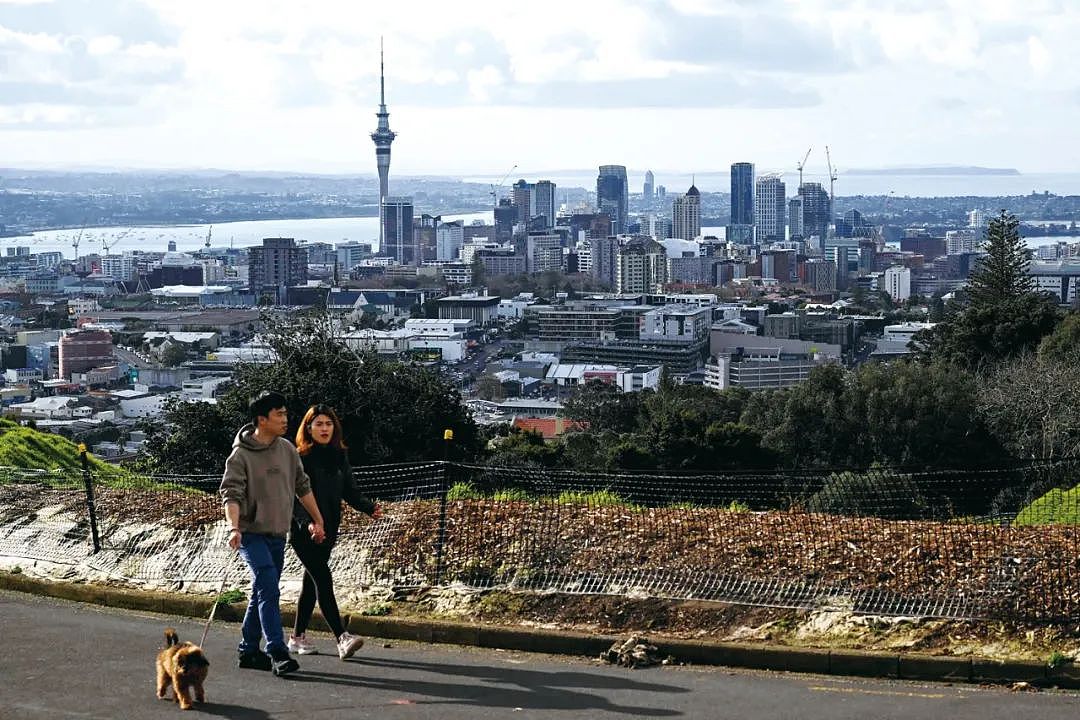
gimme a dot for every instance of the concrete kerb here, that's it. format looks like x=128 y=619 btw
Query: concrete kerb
x=761 y=657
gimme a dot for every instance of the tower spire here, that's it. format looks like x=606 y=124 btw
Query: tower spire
x=382 y=137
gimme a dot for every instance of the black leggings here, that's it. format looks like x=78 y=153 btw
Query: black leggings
x=318 y=584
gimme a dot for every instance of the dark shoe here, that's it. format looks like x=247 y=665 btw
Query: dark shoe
x=282 y=663
x=254 y=660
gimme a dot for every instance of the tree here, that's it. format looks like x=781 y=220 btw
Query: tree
x=391 y=411
x=602 y=406
x=195 y=437
x=488 y=387
x=1064 y=342
x=173 y=355
x=1003 y=272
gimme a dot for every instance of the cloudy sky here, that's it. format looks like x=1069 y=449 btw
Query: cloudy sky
x=476 y=86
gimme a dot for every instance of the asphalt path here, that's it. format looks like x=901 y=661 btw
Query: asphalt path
x=62 y=660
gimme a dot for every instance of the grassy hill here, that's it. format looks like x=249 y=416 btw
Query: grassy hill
x=1057 y=507
x=26 y=448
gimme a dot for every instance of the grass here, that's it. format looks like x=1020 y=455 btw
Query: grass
x=464 y=491
x=377 y=609
x=231 y=596
x=1057 y=507
x=511 y=495
x=598 y=498
x=1057 y=659
x=23 y=448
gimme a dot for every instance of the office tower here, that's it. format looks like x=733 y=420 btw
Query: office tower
x=613 y=195
x=661 y=194
x=277 y=263
x=543 y=196
x=382 y=138
x=656 y=227
x=769 y=208
x=853 y=225
x=778 y=264
x=742 y=193
x=898 y=283
x=351 y=254
x=449 y=237
x=522 y=192
x=425 y=240
x=816 y=210
x=603 y=252
x=796 y=228
x=648 y=189
x=505 y=219
x=396 y=230
x=686 y=215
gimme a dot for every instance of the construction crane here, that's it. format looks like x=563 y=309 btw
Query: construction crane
x=800 y=166
x=209 y=232
x=495 y=188
x=107 y=244
x=832 y=177
x=77 y=240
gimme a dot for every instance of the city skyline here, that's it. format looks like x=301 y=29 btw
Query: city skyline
x=269 y=86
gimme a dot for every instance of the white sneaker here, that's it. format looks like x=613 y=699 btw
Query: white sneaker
x=348 y=644
x=300 y=645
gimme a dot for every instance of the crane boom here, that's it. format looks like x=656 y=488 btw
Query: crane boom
x=832 y=176
x=801 y=165
x=495 y=188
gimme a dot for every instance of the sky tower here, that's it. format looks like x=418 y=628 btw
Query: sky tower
x=382 y=136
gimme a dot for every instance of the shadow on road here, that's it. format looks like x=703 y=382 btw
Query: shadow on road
x=233 y=712
x=501 y=687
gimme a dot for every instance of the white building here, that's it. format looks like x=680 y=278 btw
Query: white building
x=121 y=267
x=1060 y=279
x=770 y=208
x=897 y=281
x=543 y=252
x=676 y=322
x=904 y=332
x=449 y=238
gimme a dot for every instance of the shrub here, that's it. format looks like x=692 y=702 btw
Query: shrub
x=464 y=491
x=880 y=494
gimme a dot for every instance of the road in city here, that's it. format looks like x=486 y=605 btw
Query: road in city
x=66 y=660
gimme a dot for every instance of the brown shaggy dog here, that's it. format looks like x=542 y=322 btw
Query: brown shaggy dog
x=183 y=665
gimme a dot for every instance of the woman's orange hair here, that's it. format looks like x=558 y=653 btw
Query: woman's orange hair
x=304 y=442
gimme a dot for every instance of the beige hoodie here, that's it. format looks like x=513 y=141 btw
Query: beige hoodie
x=263 y=480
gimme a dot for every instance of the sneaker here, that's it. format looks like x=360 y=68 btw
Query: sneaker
x=282 y=663
x=254 y=660
x=348 y=644
x=300 y=645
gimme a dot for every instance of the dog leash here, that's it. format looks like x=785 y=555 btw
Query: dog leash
x=213 y=605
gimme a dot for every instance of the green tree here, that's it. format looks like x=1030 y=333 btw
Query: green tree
x=193 y=437
x=1003 y=272
x=173 y=355
x=1064 y=342
x=602 y=406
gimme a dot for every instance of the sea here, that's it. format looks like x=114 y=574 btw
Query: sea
x=190 y=238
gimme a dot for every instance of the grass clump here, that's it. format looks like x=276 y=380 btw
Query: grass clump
x=376 y=609
x=597 y=498
x=464 y=491
x=230 y=596
x=511 y=495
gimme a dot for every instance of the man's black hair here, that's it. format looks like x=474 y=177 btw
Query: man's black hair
x=261 y=404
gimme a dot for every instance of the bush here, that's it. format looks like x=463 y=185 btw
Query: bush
x=880 y=494
x=464 y=491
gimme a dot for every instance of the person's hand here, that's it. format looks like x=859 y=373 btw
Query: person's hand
x=317 y=532
x=234 y=539
x=377 y=512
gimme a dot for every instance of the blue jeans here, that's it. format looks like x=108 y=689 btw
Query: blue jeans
x=265 y=558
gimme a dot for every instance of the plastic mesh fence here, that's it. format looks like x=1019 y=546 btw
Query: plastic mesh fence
x=994 y=544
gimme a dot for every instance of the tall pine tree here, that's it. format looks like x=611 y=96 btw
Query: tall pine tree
x=1003 y=273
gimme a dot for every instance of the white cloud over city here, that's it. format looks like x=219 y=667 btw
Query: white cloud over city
x=478 y=86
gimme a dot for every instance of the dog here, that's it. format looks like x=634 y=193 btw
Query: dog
x=185 y=666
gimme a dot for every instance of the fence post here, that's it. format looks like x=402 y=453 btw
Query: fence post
x=448 y=436
x=90 y=507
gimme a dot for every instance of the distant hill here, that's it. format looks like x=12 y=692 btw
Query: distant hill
x=933 y=171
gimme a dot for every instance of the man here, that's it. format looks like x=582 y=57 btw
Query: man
x=262 y=476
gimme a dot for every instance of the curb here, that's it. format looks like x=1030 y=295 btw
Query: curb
x=855 y=663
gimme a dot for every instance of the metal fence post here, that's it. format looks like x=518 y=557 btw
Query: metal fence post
x=440 y=542
x=90 y=507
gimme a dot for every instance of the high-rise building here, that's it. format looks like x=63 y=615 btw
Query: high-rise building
x=648 y=190
x=603 y=251
x=686 y=215
x=522 y=192
x=796 y=230
x=382 y=137
x=396 y=230
x=770 y=206
x=640 y=266
x=277 y=263
x=84 y=350
x=742 y=193
x=656 y=227
x=505 y=219
x=449 y=237
x=544 y=202
x=613 y=195
x=898 y=283
x=351 y=254
x=816 y=209
x=543 y=252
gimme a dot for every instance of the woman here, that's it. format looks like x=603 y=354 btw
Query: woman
x=326 y=462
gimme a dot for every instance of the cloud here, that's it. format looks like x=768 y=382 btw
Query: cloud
x=131 y=21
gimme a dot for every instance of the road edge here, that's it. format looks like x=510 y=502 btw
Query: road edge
x=905 y=666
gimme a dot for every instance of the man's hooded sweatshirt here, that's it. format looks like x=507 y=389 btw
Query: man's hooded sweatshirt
x=263 y=480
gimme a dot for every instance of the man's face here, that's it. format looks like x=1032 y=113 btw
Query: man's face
x=276 y=423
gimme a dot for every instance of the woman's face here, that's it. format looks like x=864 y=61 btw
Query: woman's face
x=322 y=429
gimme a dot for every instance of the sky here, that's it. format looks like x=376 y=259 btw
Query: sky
x=477 y=86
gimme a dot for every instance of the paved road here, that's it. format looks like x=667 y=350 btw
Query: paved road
x=62 y=660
